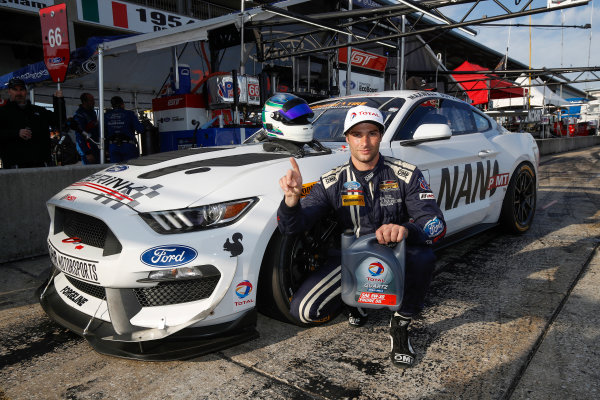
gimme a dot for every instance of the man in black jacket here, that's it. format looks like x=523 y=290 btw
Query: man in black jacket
x=25 y=129
x=369 y=194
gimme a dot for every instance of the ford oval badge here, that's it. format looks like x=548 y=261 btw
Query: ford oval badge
x=168 y=256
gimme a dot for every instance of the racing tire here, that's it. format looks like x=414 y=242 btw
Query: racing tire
x=287 y=262
x=518 y=207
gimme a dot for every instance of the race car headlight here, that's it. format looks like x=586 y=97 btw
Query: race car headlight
x=198 y=218
x=182 y=273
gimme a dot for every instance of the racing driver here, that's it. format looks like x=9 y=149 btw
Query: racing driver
x=390 y=198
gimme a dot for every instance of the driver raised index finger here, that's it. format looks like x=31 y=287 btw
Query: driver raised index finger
x=295 y=166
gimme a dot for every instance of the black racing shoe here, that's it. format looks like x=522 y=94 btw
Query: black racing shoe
x=357 y=317
x=402 y=354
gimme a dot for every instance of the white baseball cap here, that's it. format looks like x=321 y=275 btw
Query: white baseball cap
x=359 y=114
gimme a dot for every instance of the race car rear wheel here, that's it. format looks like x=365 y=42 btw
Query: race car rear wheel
x=287 y=262
x=519 y=203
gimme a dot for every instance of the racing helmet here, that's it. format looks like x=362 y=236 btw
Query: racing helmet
x=285 y=116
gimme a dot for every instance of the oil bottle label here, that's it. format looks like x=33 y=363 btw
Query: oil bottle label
x=375 y=283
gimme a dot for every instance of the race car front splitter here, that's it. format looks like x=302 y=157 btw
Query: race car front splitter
x=185 y=344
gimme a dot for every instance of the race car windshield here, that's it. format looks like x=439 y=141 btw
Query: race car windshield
x=329 y=115
x=328 y=121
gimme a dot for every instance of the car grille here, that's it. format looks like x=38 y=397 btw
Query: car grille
x=166 y=293
x=89 y=230
x=93 y=290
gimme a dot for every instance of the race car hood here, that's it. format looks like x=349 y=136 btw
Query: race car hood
x=180 y=179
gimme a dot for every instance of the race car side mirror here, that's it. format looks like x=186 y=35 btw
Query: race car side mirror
x=432 y=132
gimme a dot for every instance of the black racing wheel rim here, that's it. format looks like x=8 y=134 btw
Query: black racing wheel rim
x=524 y=198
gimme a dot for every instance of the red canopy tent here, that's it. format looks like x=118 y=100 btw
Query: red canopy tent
x=482 y=87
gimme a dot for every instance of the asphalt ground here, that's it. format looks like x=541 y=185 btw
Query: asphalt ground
x=507 y=317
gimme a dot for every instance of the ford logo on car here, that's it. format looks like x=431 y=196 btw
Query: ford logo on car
x=168 y=256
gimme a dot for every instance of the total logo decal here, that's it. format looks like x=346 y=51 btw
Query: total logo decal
x=376 y=269
x=243 y=290
x=168 y=256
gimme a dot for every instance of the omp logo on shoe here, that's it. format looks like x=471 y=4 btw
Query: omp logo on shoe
x=403 y=358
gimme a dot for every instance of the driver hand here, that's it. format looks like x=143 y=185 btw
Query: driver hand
x=291 y=183
x=391 y=233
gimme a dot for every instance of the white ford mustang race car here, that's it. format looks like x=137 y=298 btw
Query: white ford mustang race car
x=170 y=255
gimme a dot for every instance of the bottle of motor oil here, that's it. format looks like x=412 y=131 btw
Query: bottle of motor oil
x=372 y=274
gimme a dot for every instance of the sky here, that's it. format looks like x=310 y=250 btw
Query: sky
x=550 y=47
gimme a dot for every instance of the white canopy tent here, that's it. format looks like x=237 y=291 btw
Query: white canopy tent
x=139 y=65
x=539 y=96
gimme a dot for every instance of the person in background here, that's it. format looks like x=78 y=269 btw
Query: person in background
x=121 y=125
x=87 y=133
x=25 y=128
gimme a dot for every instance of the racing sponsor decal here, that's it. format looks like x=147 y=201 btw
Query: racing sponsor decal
x=68 y=197
x=235 y=246
x=388 y=185
x=451 y=193
x=352 y=185
x=74 y=240
x=353 y=200
x=434 y=228
x=423 y=184
x=497 y=181
x=426 y=196
x=117 y=191
x=306 y=188
x=369 y=176
x=332 y=176
x=76 y=267
x=243 y=290
x=117 y=168
x=340 y=104
x=74 y=296
x=387 y=201
x=168 y=256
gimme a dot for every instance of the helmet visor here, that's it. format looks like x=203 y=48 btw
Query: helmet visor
x=295 y=112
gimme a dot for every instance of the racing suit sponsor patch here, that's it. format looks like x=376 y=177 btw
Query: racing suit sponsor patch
x=434 y=227
x=387 y=201
x=332 y=176
x=352 y=185
x=353 y=200
x=426 y=196
x=423 y=184
x=306 y=188
x=402 y=170
x=76 y=267
x=388 y=185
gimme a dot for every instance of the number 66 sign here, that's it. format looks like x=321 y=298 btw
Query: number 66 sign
x=55 y=40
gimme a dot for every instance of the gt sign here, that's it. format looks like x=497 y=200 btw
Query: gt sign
x=55 y=39
x=364 y=59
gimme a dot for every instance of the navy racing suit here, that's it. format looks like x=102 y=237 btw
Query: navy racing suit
x=120 y=133
x=394 y=192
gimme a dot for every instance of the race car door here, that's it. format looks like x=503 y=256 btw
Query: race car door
x=458 y=168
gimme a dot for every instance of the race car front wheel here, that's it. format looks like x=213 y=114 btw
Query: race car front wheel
x=287 y=262
x=519 y=203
